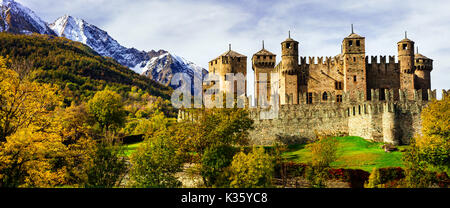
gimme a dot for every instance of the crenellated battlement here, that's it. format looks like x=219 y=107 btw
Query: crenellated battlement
x=327 y=60
x=381 y=60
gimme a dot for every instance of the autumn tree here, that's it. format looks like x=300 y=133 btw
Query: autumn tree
x=252 y=170
x=429 y=152
x=216 y=127
x=434 y=145
x=214 y=162
x=108 y=168
x=22 y=102
x=106 y=108
x=323 y=152
x=156 y=162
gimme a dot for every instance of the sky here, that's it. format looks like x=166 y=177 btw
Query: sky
x=201 y=30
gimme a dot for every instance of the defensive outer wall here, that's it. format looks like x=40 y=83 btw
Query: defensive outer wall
x=395 y=119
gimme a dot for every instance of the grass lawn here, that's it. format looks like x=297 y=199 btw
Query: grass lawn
x=353 y=153
x=129 y=149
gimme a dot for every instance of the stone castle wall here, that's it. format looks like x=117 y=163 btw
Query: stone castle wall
x=391 y=120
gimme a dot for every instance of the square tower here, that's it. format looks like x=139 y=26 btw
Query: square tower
x=263 y=64
x=354 y=55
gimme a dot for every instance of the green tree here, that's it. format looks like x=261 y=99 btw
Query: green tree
x=108 y=167
x=323 y=152
x=156 y=162
x=214 y=162
x=374 y=179
x=107 y=109
x=252 y=170
x=216 y=127
x=431 y=151
x=434 y=146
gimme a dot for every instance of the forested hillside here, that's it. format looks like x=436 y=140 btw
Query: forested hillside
x=77 y=69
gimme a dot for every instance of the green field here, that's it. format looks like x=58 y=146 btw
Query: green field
x=354 y=153
x=129 y=149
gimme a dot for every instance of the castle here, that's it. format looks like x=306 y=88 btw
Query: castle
x=380 y=100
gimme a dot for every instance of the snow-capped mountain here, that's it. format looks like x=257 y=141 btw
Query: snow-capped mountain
x=159 y=65
x=79 y=30
x=16 y=18
x=164 y=66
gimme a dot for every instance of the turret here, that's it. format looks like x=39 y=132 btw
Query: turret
x=354 y=55
x=263 y=64
x=424 y=66
x=407 y=68
x=289 y=72
x=289 y=51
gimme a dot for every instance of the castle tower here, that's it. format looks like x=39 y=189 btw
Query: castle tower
x=424 y=66
x=263 y=63
x=288 y=72
x=354 y=55
x=229 y=62
x=407 y=68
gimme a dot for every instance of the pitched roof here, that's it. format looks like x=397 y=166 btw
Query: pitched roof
x=406 y=40
x=232 y=53
x=420 y=56
x=354 y=35
x=264 y=52
x=290 y=40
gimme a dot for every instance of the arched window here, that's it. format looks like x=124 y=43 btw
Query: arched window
x=325 y=96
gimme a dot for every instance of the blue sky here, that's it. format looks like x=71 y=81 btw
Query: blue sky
x=201 y=30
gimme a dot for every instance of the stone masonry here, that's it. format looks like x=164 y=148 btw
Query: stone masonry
x=351 y=94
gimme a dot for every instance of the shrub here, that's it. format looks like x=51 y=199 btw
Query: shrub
x=108 y=167
x=385 y=177
x=214 y=161
x=253 y=170
x=324 y=151
x=155 y=163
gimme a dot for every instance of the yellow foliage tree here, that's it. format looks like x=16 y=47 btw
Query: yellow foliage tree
x=30 y=139
x=22 y=102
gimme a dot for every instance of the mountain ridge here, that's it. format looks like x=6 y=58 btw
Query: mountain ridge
x=25 y=21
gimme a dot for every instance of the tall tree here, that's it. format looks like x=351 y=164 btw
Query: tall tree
x=107 y=109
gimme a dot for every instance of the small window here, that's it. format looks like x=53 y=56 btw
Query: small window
x=358 y=43
x=405 y=46
x=288 y=45
x=338 y=85
x=309 y=99
x=382 y=95
x=354 y=78
x=350 y=43
x=264 y=57
x=325 y=96
x=239 y=59
x=339 y=98
x=354 y=59
x=215 y=62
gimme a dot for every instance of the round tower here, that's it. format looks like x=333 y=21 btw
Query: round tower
x=406 y=59
x=289 y=54
x=424 y=66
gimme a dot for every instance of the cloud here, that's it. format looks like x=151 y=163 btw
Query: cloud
x=201 y=30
